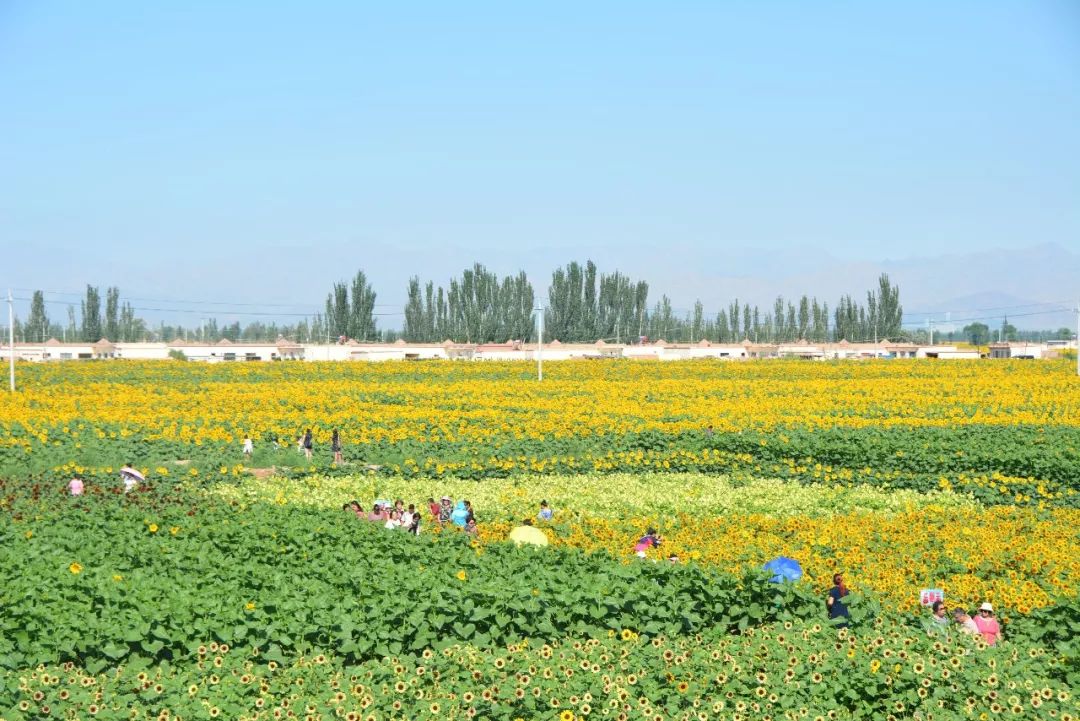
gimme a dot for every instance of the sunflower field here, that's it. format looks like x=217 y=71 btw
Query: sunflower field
x=235 y=586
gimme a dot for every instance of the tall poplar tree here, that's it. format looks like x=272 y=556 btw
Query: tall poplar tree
x=91 y=315
x=37 y=325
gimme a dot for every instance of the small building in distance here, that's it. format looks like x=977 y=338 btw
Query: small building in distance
x=1012 y=349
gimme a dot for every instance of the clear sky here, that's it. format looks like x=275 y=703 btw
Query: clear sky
x=174 y=148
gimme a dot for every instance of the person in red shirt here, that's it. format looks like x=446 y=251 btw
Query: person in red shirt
x=433 y=508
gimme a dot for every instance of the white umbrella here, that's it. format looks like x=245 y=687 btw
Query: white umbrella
x=131 y=472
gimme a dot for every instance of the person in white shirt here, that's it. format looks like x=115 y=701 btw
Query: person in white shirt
x=963 y=620
x=394 y=522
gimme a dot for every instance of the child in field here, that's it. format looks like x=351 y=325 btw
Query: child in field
x=75 y=486
x=393 y=522
x=650 y=540
x=545 y=513
x=433 y=509
x=249 y=446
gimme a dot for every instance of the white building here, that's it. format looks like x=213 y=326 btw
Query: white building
x=1017 y=350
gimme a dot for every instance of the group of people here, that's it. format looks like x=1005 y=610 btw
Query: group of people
x=981 y=623
x=305 y=444
x=129 y=476
x=398 y=516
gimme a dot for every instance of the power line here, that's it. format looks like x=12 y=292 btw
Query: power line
x=983 y=310
x=191 y=302
x=992 y=317
x=203 y=312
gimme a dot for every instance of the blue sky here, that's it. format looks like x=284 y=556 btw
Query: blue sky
x=258 y=151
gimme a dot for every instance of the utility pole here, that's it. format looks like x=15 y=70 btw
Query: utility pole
x=11 y=336
x=930 y=323
x=1077 y=343
x=539 y=310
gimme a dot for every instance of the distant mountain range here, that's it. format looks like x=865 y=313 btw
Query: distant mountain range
x=1034 y=287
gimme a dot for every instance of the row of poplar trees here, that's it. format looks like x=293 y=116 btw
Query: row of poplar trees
x=117 y=323
x=582 y=305
x=585 y=306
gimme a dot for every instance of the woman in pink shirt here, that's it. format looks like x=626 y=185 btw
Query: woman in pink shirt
x=987 y=624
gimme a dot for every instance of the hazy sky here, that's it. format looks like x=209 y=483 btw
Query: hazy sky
x=255 y=151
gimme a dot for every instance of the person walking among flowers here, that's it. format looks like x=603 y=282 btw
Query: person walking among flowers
x=838 y=611
x=987 y=624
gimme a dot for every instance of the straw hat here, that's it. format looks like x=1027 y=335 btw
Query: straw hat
x=986 y=607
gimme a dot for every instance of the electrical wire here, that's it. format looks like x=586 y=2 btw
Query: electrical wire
x=196 y=311
x=188 y=302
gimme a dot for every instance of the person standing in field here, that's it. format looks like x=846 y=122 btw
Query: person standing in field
x=987 y=624
x=939 y=618
x=249 y=447
x=446 y=509
x=964 y=622
x=335 y=446
x=306 y=443
x=545 y=513
x=834 y=602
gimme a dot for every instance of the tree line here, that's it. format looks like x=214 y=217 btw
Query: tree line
x=582 y=305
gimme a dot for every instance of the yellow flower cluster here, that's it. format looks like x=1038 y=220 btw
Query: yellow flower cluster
x=889 y=543
x=483 y=403
x=1013 y=557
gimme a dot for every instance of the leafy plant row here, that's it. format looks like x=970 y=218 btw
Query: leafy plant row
x=997 y=464
x=800 y=670
x=102 y=581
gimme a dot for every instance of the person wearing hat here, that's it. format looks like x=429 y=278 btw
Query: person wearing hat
x=987 y=624
x=446 y=509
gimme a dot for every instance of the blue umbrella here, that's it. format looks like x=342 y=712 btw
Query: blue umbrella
x=784 y=569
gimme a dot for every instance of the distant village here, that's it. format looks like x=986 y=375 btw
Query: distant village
x=225 y=351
